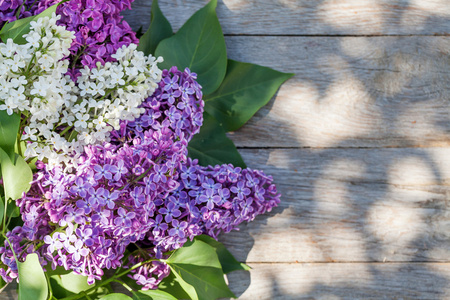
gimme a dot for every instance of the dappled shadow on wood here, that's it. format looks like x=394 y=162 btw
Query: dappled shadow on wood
x=354 y=143
x=305 y=17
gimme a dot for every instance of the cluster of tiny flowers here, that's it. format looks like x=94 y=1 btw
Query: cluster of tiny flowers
x=177 y=102
x=87 y=219
x=112 y=93
x=209 y=200
x=98 y=26
x=138 y=189
x=9 y=9
x=31 y=73
x=61 y=117
x=33 y=84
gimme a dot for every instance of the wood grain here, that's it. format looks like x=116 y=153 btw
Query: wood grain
x=351 y=91
x=305 y=17
x=334 y=281
x=342 y=281
x=350 y=205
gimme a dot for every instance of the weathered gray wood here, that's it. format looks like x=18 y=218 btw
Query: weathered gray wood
x=351 y=92
x=334 y=281
x=343 y=281
x=350 y=205
x=306 y=17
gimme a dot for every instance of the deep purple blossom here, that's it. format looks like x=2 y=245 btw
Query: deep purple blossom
x=98 y=26
x=138 y=188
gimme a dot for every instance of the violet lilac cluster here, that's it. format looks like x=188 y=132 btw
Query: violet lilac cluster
x=10 y=9
x=98 y=26
x=138 y=189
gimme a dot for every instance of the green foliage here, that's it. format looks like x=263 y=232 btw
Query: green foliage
x=15 y=30
x=159 y=30
x=198 y=270
x=116 y=296
x=200 y=46
x=12 y=210
x=33 y=284
x=153 y=295
x=171 y=285
x=9 y=127
x=2 y=209
x=245 y=89
x=16 y=178
x=68 y=284
x=227 y=260
x=212 y=146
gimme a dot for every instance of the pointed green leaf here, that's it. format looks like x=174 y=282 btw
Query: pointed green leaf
x=159 y=30
x=200 y=46
x=15 y=30
x=9 y=127
x=197 y=265
x=227 y=260
x=116 y=296
x=153 y=295
x=12 y=209
x=16 y=178
x=2 y=209
x=187 y=288
x=32 y=281
x=212 y=146
x=171 y=285
x=245 y=89
x=67 y=283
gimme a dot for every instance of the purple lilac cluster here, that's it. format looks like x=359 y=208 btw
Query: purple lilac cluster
x=138 y=189
x=10 y=8
x=98 y=26
x=87 y=219
x=176 y=102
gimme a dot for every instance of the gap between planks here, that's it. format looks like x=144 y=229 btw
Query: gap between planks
x=337 y=35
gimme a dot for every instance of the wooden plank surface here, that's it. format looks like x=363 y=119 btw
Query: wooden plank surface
x=350 y=205
x=351 y=91
x=343 y=281
x=358 y=143
x=306 y=17
x=334 y=281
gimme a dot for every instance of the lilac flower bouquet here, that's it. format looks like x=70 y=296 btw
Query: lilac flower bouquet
x=114 y=155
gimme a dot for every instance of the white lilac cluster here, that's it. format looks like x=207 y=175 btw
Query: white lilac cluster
x=112 y=93
x=59 y=116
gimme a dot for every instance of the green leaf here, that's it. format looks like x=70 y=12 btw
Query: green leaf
x=16 y=178
x=198 y=269
x=227 y=260
x=73 y=283
x=12 y=209
x=2 y=209
x=171 y=285
x=9 y=127
x=33 y=284
x=59 y=270
x=158 y=30
x=212 y=146
x=200 y=46
x=15 y=30
x=116 y=296
x=245 y=89
x=67 y=284
x=153 y=295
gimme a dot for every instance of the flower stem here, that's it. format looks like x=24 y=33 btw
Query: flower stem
x=113 y=278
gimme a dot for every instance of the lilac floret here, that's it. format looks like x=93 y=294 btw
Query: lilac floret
x=98 y=26
x=139 y=188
